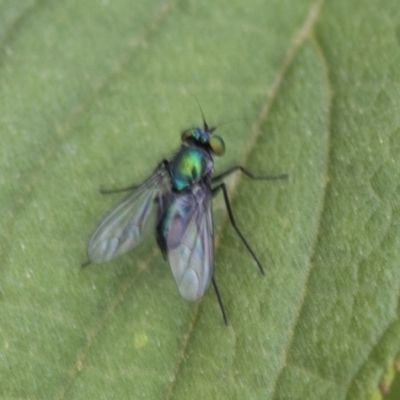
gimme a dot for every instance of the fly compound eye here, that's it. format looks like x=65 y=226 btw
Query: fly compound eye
x=186 y=135
x=217 y=145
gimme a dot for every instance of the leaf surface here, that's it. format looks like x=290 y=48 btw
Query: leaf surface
x=94 y=94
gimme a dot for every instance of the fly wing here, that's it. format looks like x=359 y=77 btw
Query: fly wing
x=189 y=241
x=122 y=228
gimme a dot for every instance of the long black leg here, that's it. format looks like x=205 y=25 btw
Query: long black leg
x=232 y=219
x=247 y=173
x=85 y=264
x=163 y=164
x=221 y=306
x=124 y=189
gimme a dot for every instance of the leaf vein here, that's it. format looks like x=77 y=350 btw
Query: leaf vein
x=306 y=32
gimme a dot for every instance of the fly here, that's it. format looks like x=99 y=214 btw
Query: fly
x=180 y=192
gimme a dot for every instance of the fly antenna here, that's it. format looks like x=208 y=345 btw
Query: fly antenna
x=205 y=125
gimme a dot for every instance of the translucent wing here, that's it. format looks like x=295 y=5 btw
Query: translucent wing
x=189 y=241
x=122 y=228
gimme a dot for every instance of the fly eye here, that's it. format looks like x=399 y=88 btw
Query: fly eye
x=217 y=145
x=186 y=135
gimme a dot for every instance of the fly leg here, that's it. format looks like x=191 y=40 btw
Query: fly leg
x=221 y=306
x=233 y=222
x=229 y=171
x=124 y=189
x=163 y=164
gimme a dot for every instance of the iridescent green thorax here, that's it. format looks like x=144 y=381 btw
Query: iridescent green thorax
x=189 y=166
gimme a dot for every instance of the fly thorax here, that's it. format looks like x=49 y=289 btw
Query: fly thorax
x=189 y=167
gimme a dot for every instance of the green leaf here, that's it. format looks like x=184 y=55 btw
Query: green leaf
x=94 y=94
